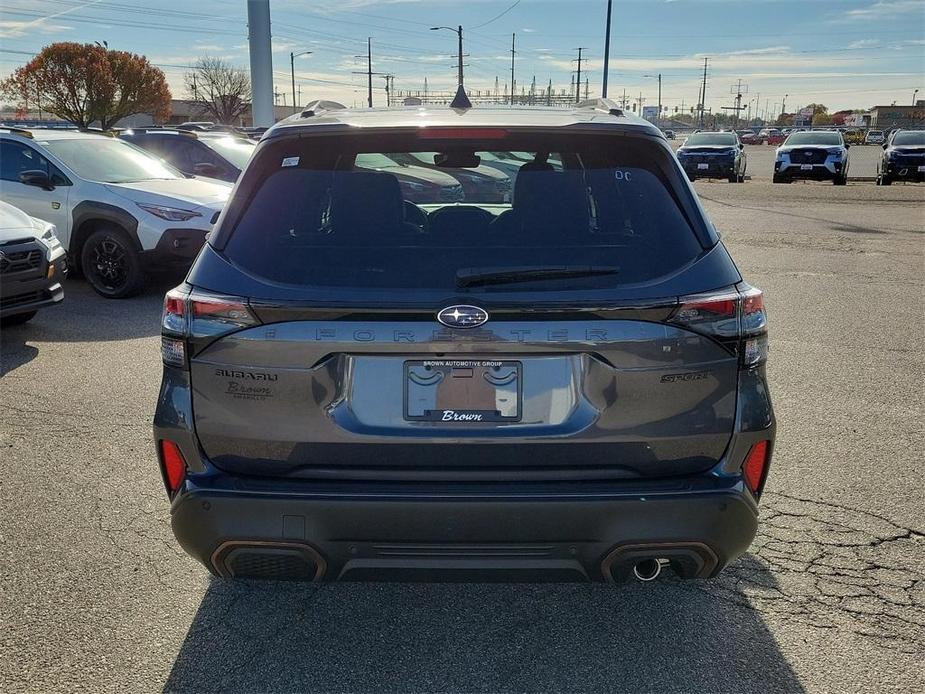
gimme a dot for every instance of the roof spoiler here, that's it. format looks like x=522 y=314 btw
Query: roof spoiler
x=22 y=132
x=319 y=106
x=603 y=105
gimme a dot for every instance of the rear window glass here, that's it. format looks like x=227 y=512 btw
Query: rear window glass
x=399 y=212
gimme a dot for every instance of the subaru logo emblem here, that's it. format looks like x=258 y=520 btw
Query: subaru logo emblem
x=463 y=316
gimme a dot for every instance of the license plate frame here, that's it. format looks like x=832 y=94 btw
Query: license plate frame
x=922 y=169
x=806 y=167
x=703 y=167
x=458 y=392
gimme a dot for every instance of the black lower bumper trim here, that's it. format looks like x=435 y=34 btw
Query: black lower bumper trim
x=176 y=247
x=420 y=536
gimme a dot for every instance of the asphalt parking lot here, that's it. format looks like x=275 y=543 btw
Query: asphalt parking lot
x=96 y=596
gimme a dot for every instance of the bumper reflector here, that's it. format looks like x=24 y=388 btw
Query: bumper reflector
x=754 y=467
x=173 y=351
x=172 y=465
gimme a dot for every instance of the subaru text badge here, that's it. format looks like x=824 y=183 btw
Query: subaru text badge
x=463 y=316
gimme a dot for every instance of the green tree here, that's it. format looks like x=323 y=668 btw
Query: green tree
x=87 y=83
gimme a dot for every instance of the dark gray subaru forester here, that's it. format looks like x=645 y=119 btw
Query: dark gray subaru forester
x=363 y=383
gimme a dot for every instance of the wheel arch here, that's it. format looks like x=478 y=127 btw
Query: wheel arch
x=89 y=215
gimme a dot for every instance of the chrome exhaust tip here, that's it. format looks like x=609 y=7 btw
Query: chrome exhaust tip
x=647 y=569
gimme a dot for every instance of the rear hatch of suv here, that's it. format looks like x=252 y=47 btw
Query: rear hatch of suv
x=590 y=328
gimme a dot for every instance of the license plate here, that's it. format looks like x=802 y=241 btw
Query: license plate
x=921 y=169
x=463 y=391
x=703 y=167
x=806 y=167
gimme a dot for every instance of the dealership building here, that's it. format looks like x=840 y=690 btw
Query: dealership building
x=884 y=117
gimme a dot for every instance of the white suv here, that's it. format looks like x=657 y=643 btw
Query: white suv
x=119 y=211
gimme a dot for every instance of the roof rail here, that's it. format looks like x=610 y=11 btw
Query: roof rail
x=18 y=131
x=605 y=105
x=320 y=106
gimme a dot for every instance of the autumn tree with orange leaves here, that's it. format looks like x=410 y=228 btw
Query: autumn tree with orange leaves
x=87 y=83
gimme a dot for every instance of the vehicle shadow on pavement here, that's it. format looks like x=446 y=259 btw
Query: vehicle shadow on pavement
x=670 y=635
x=14 y=352
x=92 y=318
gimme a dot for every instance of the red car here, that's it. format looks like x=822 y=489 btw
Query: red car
x=749 y=137
x=772 y=136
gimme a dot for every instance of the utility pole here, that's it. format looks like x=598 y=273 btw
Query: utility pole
x=703 y=90
x=658 y=119
x=369 y=70
x=513 y=38
x=261 y=61
x=292 y=57
x=549 y=93
x=607 y=50
x=459 y=31
x=578 y=78
x=389 y=87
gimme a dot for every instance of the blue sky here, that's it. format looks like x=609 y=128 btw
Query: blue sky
x=844 y=53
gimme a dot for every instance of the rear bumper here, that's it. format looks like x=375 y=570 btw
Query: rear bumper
x=583 y=532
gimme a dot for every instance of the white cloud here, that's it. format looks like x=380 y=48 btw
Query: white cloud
x=864 y=43
x=10 y=29
x=886 y=9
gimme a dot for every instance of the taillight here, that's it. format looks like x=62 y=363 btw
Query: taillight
x=736 y=319
x=755 y=466
x=173 y=466
x=195 y=314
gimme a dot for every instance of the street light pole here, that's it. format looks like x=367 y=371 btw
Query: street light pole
x=459 y=33
x=292 y=57
x=607 y=49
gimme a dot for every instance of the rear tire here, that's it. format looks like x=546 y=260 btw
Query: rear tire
x=884 y=180
x=780 y=179
x=17 y=319
x=840 y=181
x=111 y=265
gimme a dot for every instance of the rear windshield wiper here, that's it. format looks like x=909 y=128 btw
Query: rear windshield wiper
x=473 y=277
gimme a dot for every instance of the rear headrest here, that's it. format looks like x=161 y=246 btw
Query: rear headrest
x=545 y=198
x=362 y=199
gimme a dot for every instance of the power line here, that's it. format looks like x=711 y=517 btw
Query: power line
x=494 y=19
